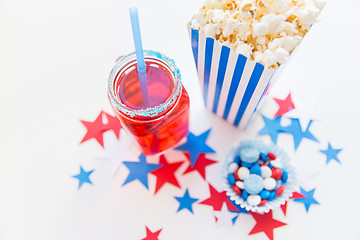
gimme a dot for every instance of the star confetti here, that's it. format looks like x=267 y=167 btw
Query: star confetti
x=118 y=151
x=113 y=124
x=272 y=127
x=95 y=130
x=331 y=153
x=166 y=173
x=295 y=195
x=196 y=145
x=186 y=202
x=83 y=177
x=200 y=165
x=140 y=170
x=285 y=105
x=217 y=199
x=305 y=112
x=224 y=216
x=152 y=235
x=308 y=199
x=295 y=130
x=265 y=223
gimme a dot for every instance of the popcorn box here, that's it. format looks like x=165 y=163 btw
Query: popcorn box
x=232 y=84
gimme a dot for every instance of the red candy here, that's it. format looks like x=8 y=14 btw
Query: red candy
x=276 y=173
x=271 y=156
x=236 y=189
x=280 y=190
x=236 y=175
x=263 y=201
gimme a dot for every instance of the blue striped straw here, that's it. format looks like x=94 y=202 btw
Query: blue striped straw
x=139 y=54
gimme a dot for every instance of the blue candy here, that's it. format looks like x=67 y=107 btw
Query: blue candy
x=270 y=166
x=272 y=196
x=255 y=169
x=244 y=195
x=245 y=164
x=249 y=155
x=265 y=194
x=284 y=177
x=254 y=184
x=237 y=160
x=231 y=179
x=264 y=157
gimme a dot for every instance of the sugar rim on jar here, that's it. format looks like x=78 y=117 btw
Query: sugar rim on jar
x=150 y=111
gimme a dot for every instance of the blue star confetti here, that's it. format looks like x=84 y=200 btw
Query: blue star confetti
x=83 y=177
x=186 y=202
x=295 y=130
x=272 y=127
x=196 y=145
x=331 y=153
x=140 y=170
x=308 y=199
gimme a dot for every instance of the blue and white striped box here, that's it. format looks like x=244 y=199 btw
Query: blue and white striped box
x=232 y=84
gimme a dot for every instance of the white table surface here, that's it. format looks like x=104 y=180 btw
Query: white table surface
x=55 y=58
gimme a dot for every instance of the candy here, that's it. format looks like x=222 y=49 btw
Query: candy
x=264 y=194
x=284 y=177
x=264 y=157
x=271 y=156
x=236 y=176
x=276 y=173
x=243 y=173
x=254 y=200
x=231 y=179
x=263 y=201
x=254 y=184
x=249 y=155
x=276 y=163
x=269 y=183
x=245 y=195
x=233 y=167
x=245 y=164
x=255 y=169
x=240 y=184
x=272 y=196
x=280 y=190
x=236 y=189
x=265 y=171
x=237 y=160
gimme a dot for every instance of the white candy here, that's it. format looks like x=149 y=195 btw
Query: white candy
x=240 y=184
x=265 y=172
x=233 y=167
x=269 y=183
x=254 y=200
x=276 y=163
x=243 y=173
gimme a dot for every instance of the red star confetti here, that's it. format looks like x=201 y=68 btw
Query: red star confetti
x=152 y=235
x=113 y=124
x=265 y=223
x=217 y=199
x=284 y=105
x=200 y=165
x=95 y=129
x=166 y=173
x=295 y=195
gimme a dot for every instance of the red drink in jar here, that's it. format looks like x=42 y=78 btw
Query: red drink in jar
x=160 y=123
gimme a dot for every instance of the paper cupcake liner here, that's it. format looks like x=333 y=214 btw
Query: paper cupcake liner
x=231 y=83
x=290 y=185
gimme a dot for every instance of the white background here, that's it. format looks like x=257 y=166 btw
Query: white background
x=55 y=57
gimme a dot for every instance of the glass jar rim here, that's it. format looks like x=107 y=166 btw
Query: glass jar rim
x=150 y=111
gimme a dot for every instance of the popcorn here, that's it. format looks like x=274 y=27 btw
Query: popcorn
x=266 y=31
